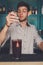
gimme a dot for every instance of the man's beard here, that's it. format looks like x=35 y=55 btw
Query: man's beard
x=23 y=20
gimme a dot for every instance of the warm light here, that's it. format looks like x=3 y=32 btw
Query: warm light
x=3 y=8
x=30 y=12
x=17 y=44
x=0 y=9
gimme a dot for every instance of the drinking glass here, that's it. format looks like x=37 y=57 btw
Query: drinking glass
x=16 y=48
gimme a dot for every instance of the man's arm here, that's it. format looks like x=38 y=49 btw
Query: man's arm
x=10 y=18
x=38 y=39
x=3 y=34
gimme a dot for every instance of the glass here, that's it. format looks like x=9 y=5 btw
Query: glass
x=16 y=48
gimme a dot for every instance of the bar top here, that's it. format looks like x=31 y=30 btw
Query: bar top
x=24 y=58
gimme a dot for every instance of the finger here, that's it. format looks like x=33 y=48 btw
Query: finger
x=13 y=20
x=13 y=14
x=14 y=17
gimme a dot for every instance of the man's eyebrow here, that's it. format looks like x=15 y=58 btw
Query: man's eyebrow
x=24 y=9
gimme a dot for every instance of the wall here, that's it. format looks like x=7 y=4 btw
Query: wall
x=12 y=5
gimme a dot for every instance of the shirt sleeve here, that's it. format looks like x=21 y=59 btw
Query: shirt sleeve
x=37 y=37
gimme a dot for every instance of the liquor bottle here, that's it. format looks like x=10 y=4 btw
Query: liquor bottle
x=36 y=11
x=42 y=9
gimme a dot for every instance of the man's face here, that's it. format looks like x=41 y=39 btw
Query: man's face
x=22 y=13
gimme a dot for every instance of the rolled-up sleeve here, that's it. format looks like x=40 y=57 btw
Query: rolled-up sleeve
x=37 y=37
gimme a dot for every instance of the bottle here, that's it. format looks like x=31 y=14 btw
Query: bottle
x=33 y=12
x=36 y=11
x=42 y=9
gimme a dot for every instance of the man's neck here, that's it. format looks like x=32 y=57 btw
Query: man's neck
x=23 y=24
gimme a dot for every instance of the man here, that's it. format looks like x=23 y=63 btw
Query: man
x=17 y=27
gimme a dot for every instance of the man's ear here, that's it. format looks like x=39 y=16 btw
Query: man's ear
x=29 y=13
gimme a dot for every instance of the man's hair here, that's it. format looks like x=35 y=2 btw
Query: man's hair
x=22 y=3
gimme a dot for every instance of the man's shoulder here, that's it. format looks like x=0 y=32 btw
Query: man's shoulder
x=32 y=26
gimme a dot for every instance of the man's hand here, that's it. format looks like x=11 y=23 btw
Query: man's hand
x=41 y=46
x=11 y=17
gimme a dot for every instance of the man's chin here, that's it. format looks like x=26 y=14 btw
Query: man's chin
x=22 y=20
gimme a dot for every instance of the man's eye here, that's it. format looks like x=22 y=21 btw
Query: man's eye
x=24 y=11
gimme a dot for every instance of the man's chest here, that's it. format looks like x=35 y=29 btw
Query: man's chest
x=27 y=37
x=24 y=34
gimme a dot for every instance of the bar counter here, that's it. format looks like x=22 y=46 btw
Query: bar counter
x=23 y=58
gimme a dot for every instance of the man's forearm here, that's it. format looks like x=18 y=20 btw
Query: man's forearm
x=3 y=34
x=41 y=46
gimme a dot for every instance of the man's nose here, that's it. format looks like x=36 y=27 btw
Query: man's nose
x=21 y=13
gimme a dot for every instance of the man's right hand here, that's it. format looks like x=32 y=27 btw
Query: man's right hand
x=11 y=17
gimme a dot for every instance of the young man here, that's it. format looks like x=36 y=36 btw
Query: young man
x=17 y=27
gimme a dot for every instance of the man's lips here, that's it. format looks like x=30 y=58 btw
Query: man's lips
x=21 y=16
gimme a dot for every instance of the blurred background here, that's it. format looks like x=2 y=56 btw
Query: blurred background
x=35 y=17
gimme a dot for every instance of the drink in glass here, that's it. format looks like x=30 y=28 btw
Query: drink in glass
x=16 y=48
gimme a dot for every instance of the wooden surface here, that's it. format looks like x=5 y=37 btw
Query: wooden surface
x=21 y=63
